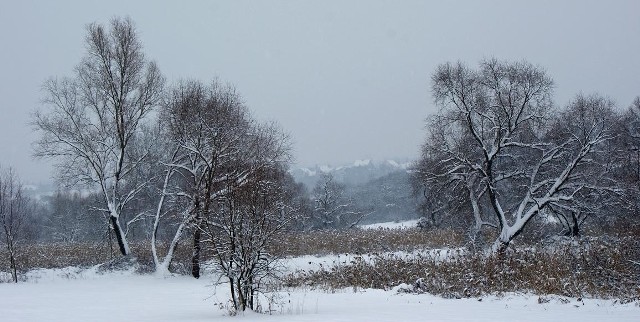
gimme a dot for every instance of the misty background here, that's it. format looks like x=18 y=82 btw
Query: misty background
x=347 y=80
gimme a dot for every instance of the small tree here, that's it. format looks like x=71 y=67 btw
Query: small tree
x=450 y=191
x=14 y=210
x=246 y=220
x=173 y=213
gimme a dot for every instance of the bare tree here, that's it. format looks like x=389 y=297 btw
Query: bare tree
x=93 y=118
x=66 y=219
x=587 y=122
x=449 y=185
x=14 y=210
x=628 y=169
x=246 y=220
x=500 y=114
x=209 y=127
x=333 y=210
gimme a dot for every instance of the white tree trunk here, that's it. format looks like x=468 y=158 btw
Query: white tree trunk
x=162 y=268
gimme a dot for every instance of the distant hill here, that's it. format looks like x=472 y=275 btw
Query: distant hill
x=40 y=189
x=379 y=188
x=356 y=173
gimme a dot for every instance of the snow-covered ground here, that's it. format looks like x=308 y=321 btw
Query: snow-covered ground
x=393 y=225
x=66 y=295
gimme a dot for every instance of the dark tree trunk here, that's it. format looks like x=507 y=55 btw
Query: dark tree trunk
x=14 y=268
x=501 y=250
x=195 y=257
x=575 y=226
x=119 y=236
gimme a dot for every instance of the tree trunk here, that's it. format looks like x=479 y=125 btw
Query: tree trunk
x=12 y=260
x=250 y=294
x=241 y=296
x=500 y=247
x=234 y=298
x=504 y=239
x=120 y=237
x=197 y=234
x=195 y=258
x=575 y=226
x=13 y=267
x=162 y=267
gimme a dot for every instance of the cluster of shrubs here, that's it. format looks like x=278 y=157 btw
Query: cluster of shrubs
x=596 y=267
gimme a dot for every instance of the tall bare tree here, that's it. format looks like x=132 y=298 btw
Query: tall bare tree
x=92 y=119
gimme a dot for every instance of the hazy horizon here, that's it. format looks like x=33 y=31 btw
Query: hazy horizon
x=348 y=80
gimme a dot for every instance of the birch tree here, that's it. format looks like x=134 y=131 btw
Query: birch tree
x=168 y=205
x=91 y=120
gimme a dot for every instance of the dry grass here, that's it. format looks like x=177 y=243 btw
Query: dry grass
x=363 y=241
x=58 y=255
x=593 y=268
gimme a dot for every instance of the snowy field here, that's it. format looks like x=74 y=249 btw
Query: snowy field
x=69 y=295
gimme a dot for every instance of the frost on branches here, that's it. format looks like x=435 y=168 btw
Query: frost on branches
x=92 y=120
x=498 y=146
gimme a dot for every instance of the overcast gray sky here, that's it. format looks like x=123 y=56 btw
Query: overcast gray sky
x=347 y=79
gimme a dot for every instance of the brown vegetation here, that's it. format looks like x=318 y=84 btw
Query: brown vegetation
x=589 y=268
x=361 y=241
x=601 y=267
